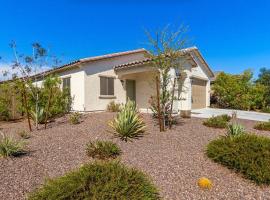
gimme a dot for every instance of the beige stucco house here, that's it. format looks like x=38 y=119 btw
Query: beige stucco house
x=96 y=81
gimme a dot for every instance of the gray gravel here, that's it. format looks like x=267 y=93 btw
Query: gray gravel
x=175 y=159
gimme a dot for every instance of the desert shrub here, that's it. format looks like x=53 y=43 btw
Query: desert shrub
x=219 y=121
x=113 y=107
x=99 y=180
x=10 y=147
x=24 y=134
x=225 y=117
x=234 y=130
x=102 y=149
x=128 y=124
x=248 y=154
x=74 y=118
x=263 y=126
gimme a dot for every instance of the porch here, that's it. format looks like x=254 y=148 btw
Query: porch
x=139 y=84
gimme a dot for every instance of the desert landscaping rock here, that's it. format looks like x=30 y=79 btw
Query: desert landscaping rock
x=174 y=159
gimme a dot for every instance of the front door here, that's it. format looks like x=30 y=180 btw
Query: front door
x=131 y=90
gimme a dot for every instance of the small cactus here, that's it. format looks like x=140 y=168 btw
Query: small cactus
x=205 y=183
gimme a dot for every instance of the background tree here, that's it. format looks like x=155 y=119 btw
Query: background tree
x=239 y=91
x=264 y=79
x=166 y=56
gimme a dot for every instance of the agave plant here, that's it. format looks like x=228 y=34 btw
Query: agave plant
x=10 y=147
x=128 y=124
x=38 y=116
x=235 y=129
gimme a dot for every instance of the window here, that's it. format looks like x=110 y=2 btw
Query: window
x=66 y=84
x=107 y=86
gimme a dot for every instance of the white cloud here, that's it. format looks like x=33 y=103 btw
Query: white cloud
x=7 y=67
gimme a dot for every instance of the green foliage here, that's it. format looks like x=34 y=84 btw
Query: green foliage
x=220 y=121
x=263 y=126
x=102 y=149
x=128 y=124
x=60 y=100
x=234 y=130
x=24 y=134
x=10 y=147
x=74 y=118
x=113 y=107
x=238 y=91
x=266 y=109
x=248 y=154
x=9 y=101
x=99 y=180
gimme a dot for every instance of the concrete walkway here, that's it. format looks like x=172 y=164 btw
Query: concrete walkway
x=250 y=115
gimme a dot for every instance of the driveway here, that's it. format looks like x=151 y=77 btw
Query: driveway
x=250 y=115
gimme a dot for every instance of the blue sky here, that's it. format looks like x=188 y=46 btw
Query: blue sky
x=232 y=35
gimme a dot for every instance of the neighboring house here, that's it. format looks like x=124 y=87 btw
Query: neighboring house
x=96 y=81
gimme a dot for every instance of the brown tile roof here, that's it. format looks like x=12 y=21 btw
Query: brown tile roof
x=85 y=60
x=148 y=60
x=133 y=63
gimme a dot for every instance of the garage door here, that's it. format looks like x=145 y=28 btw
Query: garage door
x=198 y=94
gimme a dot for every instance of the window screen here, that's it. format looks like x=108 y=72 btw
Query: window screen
x=106 y=86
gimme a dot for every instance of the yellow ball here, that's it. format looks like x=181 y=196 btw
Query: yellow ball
x=205 y=183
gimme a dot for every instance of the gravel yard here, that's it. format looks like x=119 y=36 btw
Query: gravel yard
x=175 y=159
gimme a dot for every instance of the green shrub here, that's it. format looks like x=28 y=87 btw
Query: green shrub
x=234 y=130
x=225 y=117
x=75 y=118
x=113 y=107
x=24 y=134
x=102 y=149
x=248 y=154
x=10 y=147
x=219 y=121
x=5 y=114
x=263 y=126
x=99 y=180
x=128 y=124
x=266 y=109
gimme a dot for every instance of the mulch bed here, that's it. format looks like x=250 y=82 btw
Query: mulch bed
x=174 y=159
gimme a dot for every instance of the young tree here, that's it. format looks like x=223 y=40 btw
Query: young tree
x=25 y=68
x=167 y=55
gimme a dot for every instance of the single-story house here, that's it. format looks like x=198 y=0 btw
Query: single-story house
x=96 y=81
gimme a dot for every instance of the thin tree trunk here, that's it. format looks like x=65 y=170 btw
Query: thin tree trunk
x=48 y=108
x=170 y=114
x=161 y=125
x=27 y=109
